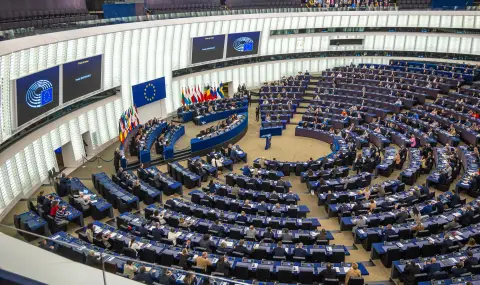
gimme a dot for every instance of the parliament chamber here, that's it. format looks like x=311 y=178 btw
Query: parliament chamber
x=240 y=142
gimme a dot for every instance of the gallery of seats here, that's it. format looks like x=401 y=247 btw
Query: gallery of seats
x=240 y=142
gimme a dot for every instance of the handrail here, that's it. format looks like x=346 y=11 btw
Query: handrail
x=102 y=255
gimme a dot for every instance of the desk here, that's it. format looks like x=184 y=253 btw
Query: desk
x=253 y=195
x=114 y=194
x=211 y=142
x=232 y=218
x=30 y=222
x=100 y=208
x=199 y=226
x=234 y=205
x=266 y=185
x=168 y=151
x=212 y=117
x=183 y=175
x=346 y=223
x=168 y=185
x=74 y=215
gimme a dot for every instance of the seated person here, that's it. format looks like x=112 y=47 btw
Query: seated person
x=203 y=261
x=144 y=276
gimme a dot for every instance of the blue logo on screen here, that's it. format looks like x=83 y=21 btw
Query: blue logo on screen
x=40 y=94
x=243 y=44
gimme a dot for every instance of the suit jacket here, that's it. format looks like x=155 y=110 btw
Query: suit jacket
x=183 y=261
x=410 y=272
x=144 y=277
x=241 y=249
x=279 y=251
x=401 y=217
x=207 y=244
x=469 y=262
x=432 y=268
x=457 y=272
x=299 y=252
x=329 y=273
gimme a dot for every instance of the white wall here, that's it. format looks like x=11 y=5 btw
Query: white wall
x=139 y=52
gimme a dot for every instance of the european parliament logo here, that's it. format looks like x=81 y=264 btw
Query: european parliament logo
x=39 y=94
x=243 y=44
x=149 y=92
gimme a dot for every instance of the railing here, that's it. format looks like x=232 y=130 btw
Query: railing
x=103 y=257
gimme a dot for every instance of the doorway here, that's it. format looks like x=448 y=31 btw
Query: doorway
x=87 y=144
x=59 y=158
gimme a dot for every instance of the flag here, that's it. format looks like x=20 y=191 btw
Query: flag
x=215 y=95
x=220 y=91
x=183 y=98
x=120 y=130
x=188 y=96
x=199 y=94
x=211 y=94
x=194 y=97
x=207 y=93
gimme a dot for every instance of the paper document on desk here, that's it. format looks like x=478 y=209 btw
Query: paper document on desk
x=113 y=235
x=361 y=232
x=56 y=237
x=94 y=201
x=337 y=269
x=295 y=269
x=254 y=265
x=279 y=232
x=346 y=269
x=453 y=260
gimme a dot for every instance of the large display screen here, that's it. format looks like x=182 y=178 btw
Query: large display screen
x=36 y=94
x=207 y=48
x=82 y=77
x=243 y=44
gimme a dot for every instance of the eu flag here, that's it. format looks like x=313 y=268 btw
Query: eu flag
x=148 y=92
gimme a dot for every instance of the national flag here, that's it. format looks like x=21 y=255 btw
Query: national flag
x=207 y=93
x=194 y=96
x=183 y=98
x=220 y=90
x=188 y=96
x=120 y=130
x=215 y=95
x=199 y=94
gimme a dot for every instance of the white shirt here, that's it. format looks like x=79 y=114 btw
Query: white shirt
x=173 y=237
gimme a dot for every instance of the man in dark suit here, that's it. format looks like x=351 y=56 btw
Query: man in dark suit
x=357 y=207
x=467 y=217
x=439 y=206
x=206 y=243
x=470 y=260
x=143 y=276
x=458 y=270
x=410 y=270
x=402 y=216
x=299 y=251
x=329 y=272
x=432 y=267
x=454 y=200
x=262 y=207
x=274 y=196
x=389 y=231
x=279 y=250
x=240 y=248
x=447 y=243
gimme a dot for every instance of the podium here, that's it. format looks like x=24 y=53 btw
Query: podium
x=268 y=140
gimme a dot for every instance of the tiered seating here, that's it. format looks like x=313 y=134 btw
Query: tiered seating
x=203 y=212
x=183 y=175
x=339 y=184
x=98 y=207
x=144 y=191
x=266 y=185
x=470 y=180
x=418 y=128
x=410 y=174
x=160 y=181
x=249 y=207
x=213 y=110
x=252 y=195
x=448 y=168
x=202 y=168
x=163 y=6
x=31 y=222
x=42 y=18
x=229 y=234
x=120 y=198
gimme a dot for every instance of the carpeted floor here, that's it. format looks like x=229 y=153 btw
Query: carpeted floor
x=287 y=148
